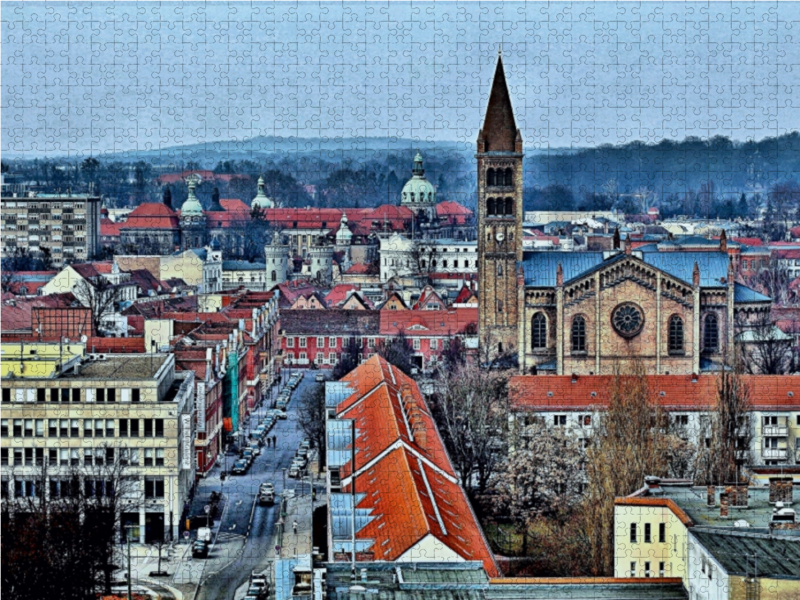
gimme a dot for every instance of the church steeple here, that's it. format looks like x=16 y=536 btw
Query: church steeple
x=499 y=132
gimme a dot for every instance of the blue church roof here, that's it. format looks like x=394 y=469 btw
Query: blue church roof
x=742 y=293
x=539 y=268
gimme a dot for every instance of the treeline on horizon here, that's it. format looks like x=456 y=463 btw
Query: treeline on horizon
x=710 y=178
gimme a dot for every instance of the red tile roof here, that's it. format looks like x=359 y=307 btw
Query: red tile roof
x=650 y=501
x=421 y=323
x=464 y=295
x=109 y=228
x=151 y=215
x=674 y=392
x=362 y=269
x=453 y=213
x=785 y=254
x=410 y=486
x=339 y=294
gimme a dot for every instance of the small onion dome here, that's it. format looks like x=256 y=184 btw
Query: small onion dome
x=192 y=206
x=261 y=200
x=418 y=190
x=344 y=235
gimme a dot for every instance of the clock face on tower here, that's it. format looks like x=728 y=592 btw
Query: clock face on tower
x=500 y=236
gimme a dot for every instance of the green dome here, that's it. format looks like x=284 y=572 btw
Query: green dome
x=192 y=206
x=418 y=190
x=261 y=200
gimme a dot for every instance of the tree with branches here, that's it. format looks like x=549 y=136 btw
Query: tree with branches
x=725 y=437
x=100 y=296
x=349 y=359
x=764 y=349
x=470 y=407
x=311 y=417
x=397 y=351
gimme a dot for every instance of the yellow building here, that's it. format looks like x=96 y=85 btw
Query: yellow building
x=83 y=414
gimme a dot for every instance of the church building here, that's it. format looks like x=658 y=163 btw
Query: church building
x=588 y=313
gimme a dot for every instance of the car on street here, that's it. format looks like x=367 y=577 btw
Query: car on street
x=280 y=405
x=200 y=549
x=319 y=378
x=266 y=493
x=294 y=472
x=255 y=448
x=240 y=467
x=260 y=431
x=248 y=454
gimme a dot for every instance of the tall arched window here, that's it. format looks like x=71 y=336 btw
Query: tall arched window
x=274 y=276
x=509 y=206
x=490 y=206
x=578 y=337
x=499 y=269
x=490 y=179
x=539 y=332
x=711 y=333
x=675 y=334
x=509 y=178
x=499 y=306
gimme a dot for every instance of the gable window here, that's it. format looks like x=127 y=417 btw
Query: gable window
x=711 y=333
x=578 y=337
x=539 y=331
x=675 y=334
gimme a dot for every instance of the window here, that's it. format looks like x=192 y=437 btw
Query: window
x=647 y=533
x=290 y=342
x=134 y=427
x=539 y=332
x=320 y=342
x=331 y=342
x=585 y=420
x=74 y=457
x=28 y=427
x=332 y=358
x=136 y=395
x=109 y=427
x=711 y=333
x=41 y=395
x=320 y=358
x=559 y=420
x=87 y=428
x=578 y=336
x=415 y=343
x=633 y=533
x=74 y=429
x=633 y=569
x=490 y=177
x=111 y=395
x=63 y=427
x=6 y=395
x=273 y=277
x=509 y=206
x=675 y=334
x=100 y=395
x=159 y=457
x=499 y=306
x=499 y=269
x=76 y=394
x=434 y=344
x=661 y=569
x=681 y=420
x=123 y=428
x=662 y=536
x=148 y=457
x=647 y=569
x=153 y=487
x=302 y=342
x=148 y=428
x=159 y=426
x=509 y=177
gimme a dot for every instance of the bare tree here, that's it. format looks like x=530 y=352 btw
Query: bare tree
x=470 y=406
x=422 y=257
x=311 y=417
x=726 y=437
x=101 y=296
x=542 y=478
x=764 y=349
x=397 y=351
x=632 y=439
x=62 y=527
x=773 y=281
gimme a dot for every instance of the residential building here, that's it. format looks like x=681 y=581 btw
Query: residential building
x=402 y=256
x=577 y=401
x=241 y=273
x=725 y=542
x=67 y=225
x=75 y=412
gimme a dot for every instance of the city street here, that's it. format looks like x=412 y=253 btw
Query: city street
x=246 y=532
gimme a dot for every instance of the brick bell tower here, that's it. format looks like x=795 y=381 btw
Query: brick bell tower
x=499 y=221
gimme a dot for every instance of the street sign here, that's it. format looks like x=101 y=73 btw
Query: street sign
x=207 y=508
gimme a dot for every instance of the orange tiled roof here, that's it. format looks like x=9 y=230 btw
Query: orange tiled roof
x=407 y=478
x=151 y=215
x=675 y=392
x=665 y=502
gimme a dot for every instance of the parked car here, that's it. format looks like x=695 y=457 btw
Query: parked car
x=294 y=471
x=280 y=405
x=240 y=467
x=255 y=448
x=319 y=377
x=200 y=549
x=248 y=454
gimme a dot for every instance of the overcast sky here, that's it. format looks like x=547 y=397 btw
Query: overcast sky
x=88 y=78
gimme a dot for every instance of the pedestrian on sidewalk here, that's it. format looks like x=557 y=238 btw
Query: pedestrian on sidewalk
x=294 y=526
x=274 y=441
x=268 y=442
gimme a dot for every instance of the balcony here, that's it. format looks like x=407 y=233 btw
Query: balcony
x=774 y=453
x=775 y=431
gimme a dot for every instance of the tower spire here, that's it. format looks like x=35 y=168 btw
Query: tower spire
x=499 y=130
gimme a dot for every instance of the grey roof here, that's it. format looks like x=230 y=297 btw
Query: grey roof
x=693 y=501
x=740 y=553
x=742 y=293
x=242 y=265
x=332 y=321
x=539 y=267
x=468 y=581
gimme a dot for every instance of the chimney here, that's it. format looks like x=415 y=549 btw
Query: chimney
x=724 y=505
x=616 y=238
x=780 y=490
x=737 y=494
x=628 y=247
x=559 y=275
x=711 y=496
x=696 y=275
x=420 y=433
x=167 y=198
